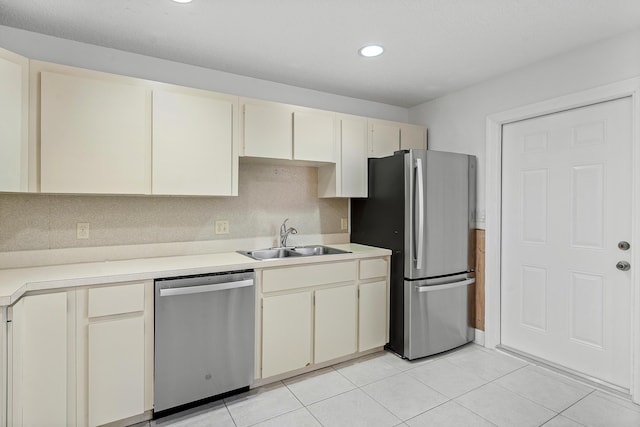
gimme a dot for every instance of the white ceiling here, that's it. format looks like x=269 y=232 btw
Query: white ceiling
x=432 y=46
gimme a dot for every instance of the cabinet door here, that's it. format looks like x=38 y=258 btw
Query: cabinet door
x=116 y=367
x=335 y=323
x=14 y=118
x=353 y=167
x=267 y=130
x=385 y=139
x=39 y=361
x=95 y=136
x=286 y=333
x=413 y=136
x=372 y=315
x=193 y=145
x=313 y=136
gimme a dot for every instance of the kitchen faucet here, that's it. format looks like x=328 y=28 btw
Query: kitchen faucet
x=284 y=233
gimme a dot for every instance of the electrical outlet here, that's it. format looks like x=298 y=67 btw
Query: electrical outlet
x=222 y=227
x=344 y=223
x=82 y=230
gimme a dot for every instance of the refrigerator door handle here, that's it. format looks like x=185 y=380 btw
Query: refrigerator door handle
x=429 y=288
x=420 y=214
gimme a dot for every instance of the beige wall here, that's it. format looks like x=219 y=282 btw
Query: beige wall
x=267 y=194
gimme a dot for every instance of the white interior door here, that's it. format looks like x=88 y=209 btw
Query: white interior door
x=566 y=204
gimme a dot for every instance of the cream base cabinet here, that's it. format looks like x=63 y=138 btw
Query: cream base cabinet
x=42 y=361
x=286 y=333
x=82 y=357
x=14 y=119
x=373 y=303
x=94 y=133
x=335 y=323
x=115 y=353
x=194 y=143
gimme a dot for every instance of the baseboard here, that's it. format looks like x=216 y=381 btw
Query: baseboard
x=479 y=339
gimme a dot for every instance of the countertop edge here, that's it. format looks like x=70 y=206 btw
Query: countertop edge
x=26 y=280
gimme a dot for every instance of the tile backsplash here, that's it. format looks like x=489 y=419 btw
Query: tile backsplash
x=267 y=195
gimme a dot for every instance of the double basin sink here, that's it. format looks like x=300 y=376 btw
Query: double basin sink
x=296 y=251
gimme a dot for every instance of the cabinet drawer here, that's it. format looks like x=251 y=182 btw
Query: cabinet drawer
x=370 y=268
x=280 y=279
x=111 y=300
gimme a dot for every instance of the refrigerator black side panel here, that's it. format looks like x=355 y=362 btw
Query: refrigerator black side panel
x=379 y=221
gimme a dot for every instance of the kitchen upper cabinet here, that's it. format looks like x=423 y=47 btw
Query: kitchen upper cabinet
x=384 y=138
x=348 y=177
x=195 y=144
x=387 y=137
x=286 y=333
x=287 y=132
x=41 y=355
x=313 y=136
x=94 y=133
x=413 y=136
x=14 y=119
x=335 y=323
x=267 y=130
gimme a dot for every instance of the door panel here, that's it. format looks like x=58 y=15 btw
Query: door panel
x=566 y=191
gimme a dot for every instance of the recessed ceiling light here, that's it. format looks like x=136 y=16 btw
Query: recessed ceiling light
x=182 y=1
x=371 y=50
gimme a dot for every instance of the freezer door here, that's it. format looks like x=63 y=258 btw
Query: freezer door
x=438 y=316
x=438 y=213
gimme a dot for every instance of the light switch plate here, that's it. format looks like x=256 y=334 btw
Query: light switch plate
x=222 y=227
x=82 y=230
x=344 y=223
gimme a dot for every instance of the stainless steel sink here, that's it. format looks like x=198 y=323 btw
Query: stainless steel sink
x=271 y=253
x=275 y=253
x=317 y=250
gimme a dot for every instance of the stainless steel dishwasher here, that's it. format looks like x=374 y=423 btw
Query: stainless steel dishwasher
x=204 y=338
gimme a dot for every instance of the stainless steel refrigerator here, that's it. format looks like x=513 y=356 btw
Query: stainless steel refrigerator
x=420 y=205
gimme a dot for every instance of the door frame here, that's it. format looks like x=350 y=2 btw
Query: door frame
x=494 y=123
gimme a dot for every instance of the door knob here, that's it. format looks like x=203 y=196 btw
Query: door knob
x=623 y=266
x=623 y=246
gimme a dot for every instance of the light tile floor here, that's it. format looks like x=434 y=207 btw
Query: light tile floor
x=470 y=386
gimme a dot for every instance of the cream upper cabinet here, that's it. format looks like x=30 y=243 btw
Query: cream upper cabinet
x=94 y=134
x=287 y=132
x=41 y=355
x=267 y=130
x=384 y=138
x=387 y=137
x=14 y=119
x=335 y=323
x=313 y=136
x=413 y=136
x=195 y=143
x=348 y=177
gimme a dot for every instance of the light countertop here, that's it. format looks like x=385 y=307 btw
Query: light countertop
x=15 y=282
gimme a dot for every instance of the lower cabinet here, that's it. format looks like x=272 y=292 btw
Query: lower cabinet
x=336 y=324
x=82 y=357
x=286 y=338
x=321 y=312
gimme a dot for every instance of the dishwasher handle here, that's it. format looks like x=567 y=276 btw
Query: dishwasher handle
x=185 y=290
